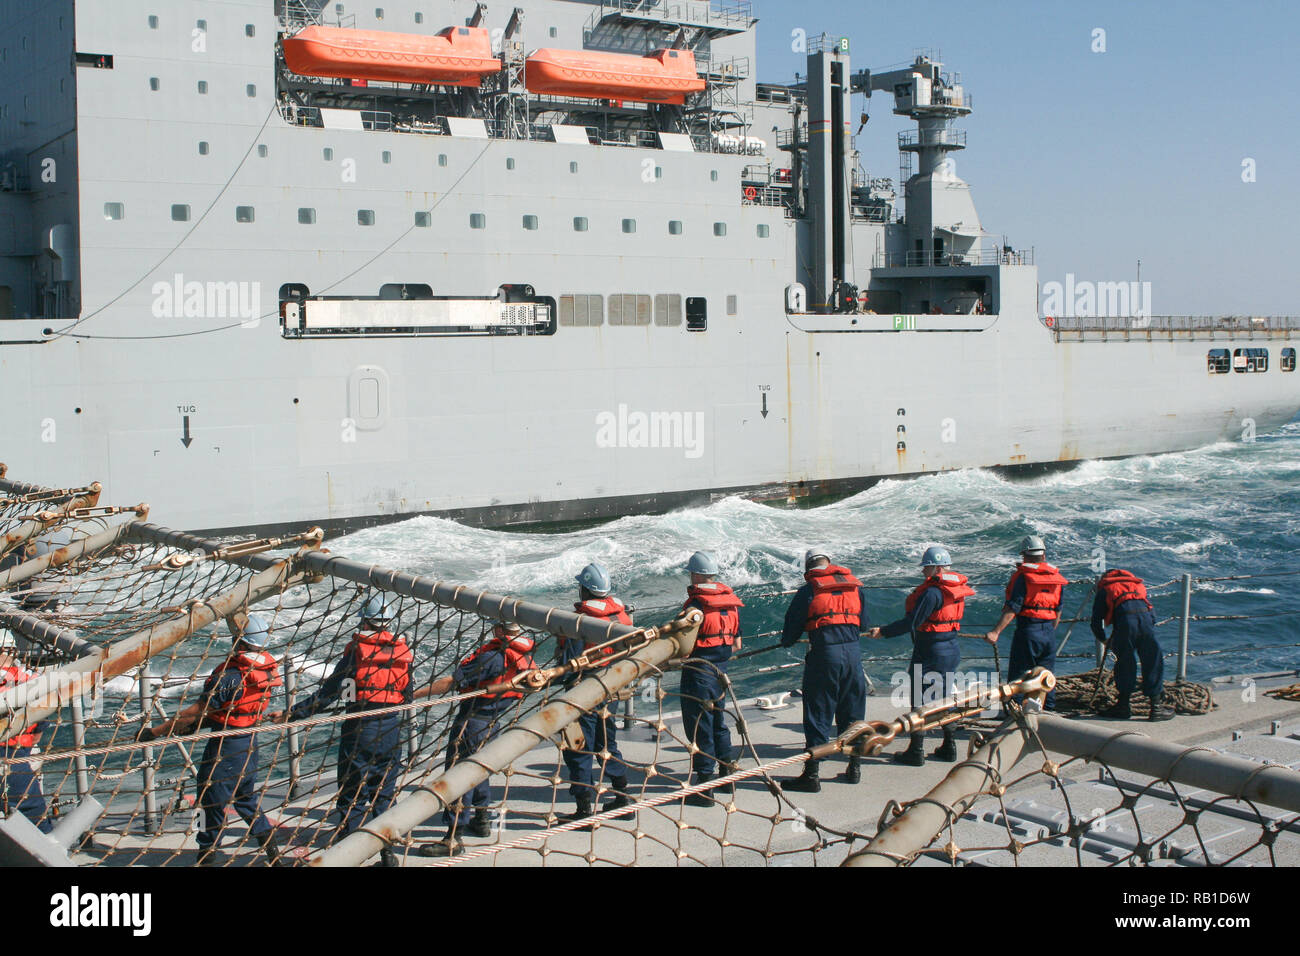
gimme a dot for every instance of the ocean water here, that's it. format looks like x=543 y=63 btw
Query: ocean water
x=1221 y=511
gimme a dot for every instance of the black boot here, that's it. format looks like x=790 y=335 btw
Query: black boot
x=700 y=799
x=272 y=849
x=947 y=751
x=618 y=786
x=387 y=858
x=1119 y=710
x=914 y=755
x=582 y=811
x=207 y=856
x=1158 y=709
x=480 y=826
x=806 y=782
x=725 y=769
x=440 y=848
x=853 y=773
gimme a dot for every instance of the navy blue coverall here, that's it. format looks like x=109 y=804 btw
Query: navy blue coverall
x=227 y=769
x=935 y=656
x=598 y=733
x=474 y=725
x=704 y=702
x=23 y=786
x=834 y=687
x=1033 y=644
x=1132 y=637
x=370 y=749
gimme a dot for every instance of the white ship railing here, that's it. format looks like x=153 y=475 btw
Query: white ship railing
x=1144 y=327
x=975 y=257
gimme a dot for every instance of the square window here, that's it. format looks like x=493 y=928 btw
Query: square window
x=442 y=159
x=243 y=214
x=1288 y=360
x=629 y=226
x=386 y=156
x=306 y=216
x=114 y=211
x=154 y=84
x=203 y=148
x=477 y=220
x=719 y=229
x=419 y=17
x=250 y=30
x=328 y=153
x=713 y=175
x=423 y=219
x=764 y=230
x=203 y=87
x=365 y=217
x=153 y=23
x=262 y=150
x=201 y=25
x=251 y=90
x=573 y=167
x=530 y=223
x=180 y=212
x=674 y=227
x=379 y=13
x=554 y=32
x=731 y=305
x=510 y=162
x=579 y=223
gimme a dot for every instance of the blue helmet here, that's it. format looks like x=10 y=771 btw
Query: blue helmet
x=256 y=633
x=702 y=562
x=595 y=579
x=375 y=610
x=936 y=557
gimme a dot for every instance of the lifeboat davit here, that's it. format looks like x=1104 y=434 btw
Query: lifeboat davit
x=664 y=76
x=458 y=56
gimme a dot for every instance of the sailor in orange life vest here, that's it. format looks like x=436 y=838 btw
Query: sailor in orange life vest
x=703 y=686
x=1122 y=601
x=932 y=615
x=235 y=695
x=504 y=656
x=599 y=734
x=1034 y=602
x=374 y=672
x=832 y=607
x=22 y=791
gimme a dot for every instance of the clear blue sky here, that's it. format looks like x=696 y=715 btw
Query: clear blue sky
x=1099 y=159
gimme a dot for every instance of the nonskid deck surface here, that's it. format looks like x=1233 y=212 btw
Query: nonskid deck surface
x=756 y=829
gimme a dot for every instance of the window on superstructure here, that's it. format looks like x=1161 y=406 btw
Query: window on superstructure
x=203 y=148
x=659 y=172
x=719 y=229
x=386 y=156
x=263 y=150
x=442 y=159
x=251 y=90
x=365 y=217
x=379 y=13
x=114 y=211
x=1218 y=362
x=554 y=32
x=668 y=309
x=201 y=25
x=580 y=224
x=250 y=30
x=203 y=87
x=1288 y=360
x=477 y=220
x=510 y=162
x=764 y=230
x=153 y=23
x=1250 y=360
x=674 y=227
x=419 y=17
x=244 y=214
x=328 y=153
x=713 y=175
x=530 y=223
x=629 y=227
x=731 y=305
x=423 y=219
x=697 y=314
x=154 y=84
x=180 y=212
x=306 y=216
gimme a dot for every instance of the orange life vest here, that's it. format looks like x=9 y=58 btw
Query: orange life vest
x=517 y=656
x=1043 y=587
x=606 y=609
x=383 y=670
x=835 y=598
x=1119 y=586
x=258 y=674
x=12 y=676
x=954 y=590
x=720 y=605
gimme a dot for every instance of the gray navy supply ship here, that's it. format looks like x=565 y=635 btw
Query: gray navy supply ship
x=274 y=263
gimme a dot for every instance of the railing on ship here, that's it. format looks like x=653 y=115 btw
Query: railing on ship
x=1151 y=327
x=976 y=257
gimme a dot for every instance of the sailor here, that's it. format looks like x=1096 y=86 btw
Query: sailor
x=504 y=656
x=932 y=616
x=1121 y=602
x=374 y=672
x=22 y=783
x=831 y=606
x=234 y=697
x=599 y=733
x=703 y=686
x=1033 y=601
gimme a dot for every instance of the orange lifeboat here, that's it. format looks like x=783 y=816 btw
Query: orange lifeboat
x=664 y=76
x=458 y=56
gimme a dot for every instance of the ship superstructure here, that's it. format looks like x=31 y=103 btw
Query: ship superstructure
x=563 y=260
